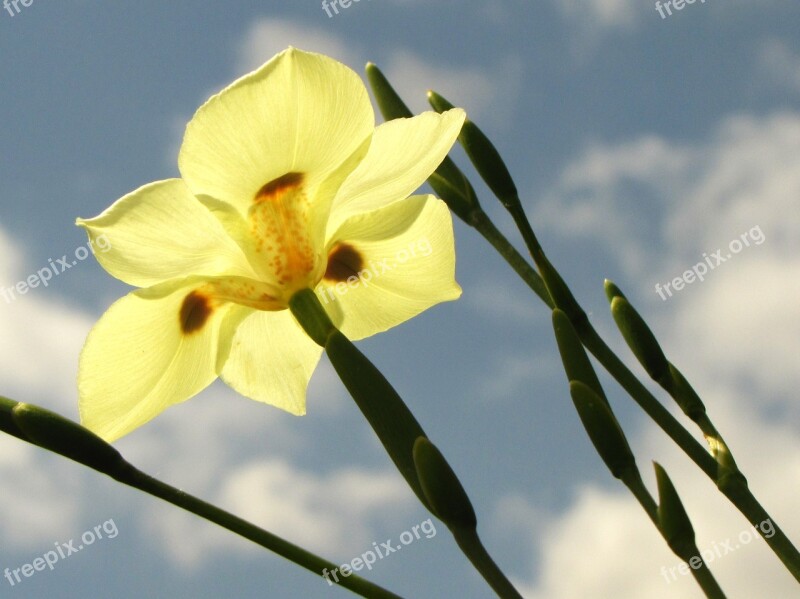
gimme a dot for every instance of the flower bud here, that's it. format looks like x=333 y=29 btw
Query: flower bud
x=441 y=486
x=603 y=429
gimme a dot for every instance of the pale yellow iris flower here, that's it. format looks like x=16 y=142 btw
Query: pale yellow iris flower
x=285 y=184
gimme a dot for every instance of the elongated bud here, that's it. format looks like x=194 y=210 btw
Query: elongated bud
x=389 y=102
x=640 y=340
x=612 y=290
x=384 y=409
x=451 y=185
x=685 y=395
x=457 y=193
x=573 y=356
x=60 y=435
x=603 y=429
x=446 y=496
x=673 y=520
x=7 y=424
x=483 y=155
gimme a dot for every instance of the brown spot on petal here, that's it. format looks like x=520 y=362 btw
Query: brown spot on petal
x=195 y=312
x=344 y=261
x=277 y=187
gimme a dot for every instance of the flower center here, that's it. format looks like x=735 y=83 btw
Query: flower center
x=279 y=224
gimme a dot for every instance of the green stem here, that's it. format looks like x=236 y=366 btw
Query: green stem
x=706 y=580
x=470 y=543
x=481 y=222
x=399 y=433
x=740 y=495
x=53 y=432
x=139 y=480
x=633 y=480
x=702 y=574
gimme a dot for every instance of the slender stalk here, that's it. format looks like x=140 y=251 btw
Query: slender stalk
x=481 y=222
x=471 y=545
x=739 y=494
x=399 y=432
x=62 y=436
x=152 y=486
x=706 y=580
x=702 y=574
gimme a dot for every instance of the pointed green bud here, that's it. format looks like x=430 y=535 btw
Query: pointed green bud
x=389 y=102
x=483 y=155
x=640 y=340
x=576 y=362
x=461 y=199
x=685 y=395
x=673 y=520
x=449 y=183
x=60 y=435
x=603 y=429
x=445 y=494
x=612 y=290
x=7 y=424
x=384 y=409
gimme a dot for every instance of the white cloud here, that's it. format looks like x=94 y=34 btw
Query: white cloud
x=42 y=337
x=734 y=336
x=334 y=514
x=39 y=506
x=703 y=195
x=476 y=89
x=619 y=14
x=267 y=37
x=603 y=545
x=486 y=95
x=780 y=64
x=38 y=363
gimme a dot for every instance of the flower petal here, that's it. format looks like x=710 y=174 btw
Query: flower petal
x=160 y=232
x=271 y=359
x=138 y=360
x=403 y=153
x=299 y=113
x=389 y=265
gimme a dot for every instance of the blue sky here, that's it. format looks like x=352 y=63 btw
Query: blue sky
x=639 y=143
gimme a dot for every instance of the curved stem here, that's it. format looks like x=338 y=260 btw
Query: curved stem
x=481 y=222
x=471 y=545
x=702 y=574
x=294 y=553
x=740 y=495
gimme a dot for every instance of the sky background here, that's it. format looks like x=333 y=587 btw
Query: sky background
x=638 y=144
